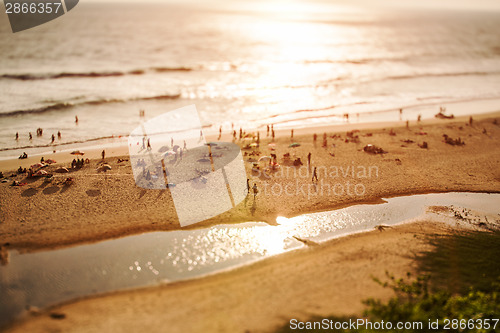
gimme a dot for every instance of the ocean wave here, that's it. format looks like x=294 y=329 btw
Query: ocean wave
x=353 y=61
x=54 y=76
x=68 y=105
x=420 y=75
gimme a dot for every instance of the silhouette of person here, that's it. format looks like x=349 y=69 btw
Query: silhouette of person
x=315 y=175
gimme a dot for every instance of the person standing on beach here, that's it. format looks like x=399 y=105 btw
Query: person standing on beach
x=248 y=186
x=272 y=134
x=76 y=119
x=143 y=142
x=315 y=137
x=291 y=135
x=309 y=159
x=59 y=135
x=149 y=144
x=53 y=138
x=103 y=154
x=315 y=175
x=267 y=130
x=258 y=137
x=400 y=114
x=17 y=136
x=185 y=145
x=30 y=136
x=255 y=190
x=172 y=142
x=220 y=132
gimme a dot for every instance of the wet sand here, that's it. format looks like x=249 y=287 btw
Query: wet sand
x=100 y=205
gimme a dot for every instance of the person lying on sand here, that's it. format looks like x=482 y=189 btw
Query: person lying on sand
x=297 y=162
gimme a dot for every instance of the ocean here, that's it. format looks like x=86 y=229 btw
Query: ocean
x=244 y=63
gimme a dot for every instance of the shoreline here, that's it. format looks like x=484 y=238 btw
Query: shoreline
x=113 y=141
x=116 y=149
x=113 y=207
x=459 y=107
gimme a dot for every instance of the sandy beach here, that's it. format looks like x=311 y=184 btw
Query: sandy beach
x=103 y=205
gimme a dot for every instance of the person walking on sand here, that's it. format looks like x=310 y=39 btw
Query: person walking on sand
x=255 y=190
x=76 y=119
x=103 y=154
x=53 y=138
x=248 y=186
x=30 y=136
x=59 y=135
x=309 y=159
x=315 y=175
x=17 y=136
